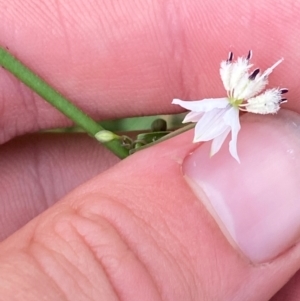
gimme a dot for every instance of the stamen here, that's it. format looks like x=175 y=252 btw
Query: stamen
x=254 y=74
x=230 y=57
x=270 y=70
x=249 y=56
x=284 y=90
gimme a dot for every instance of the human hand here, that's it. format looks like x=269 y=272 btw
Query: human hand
x=137 y=231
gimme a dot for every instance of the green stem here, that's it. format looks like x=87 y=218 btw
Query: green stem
x=39 y=86
x=169 y=136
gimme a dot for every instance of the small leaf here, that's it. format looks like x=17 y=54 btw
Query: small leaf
x=147 y=138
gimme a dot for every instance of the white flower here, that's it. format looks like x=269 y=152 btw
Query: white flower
x=217 y=117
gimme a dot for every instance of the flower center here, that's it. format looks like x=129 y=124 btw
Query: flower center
x=235 y=102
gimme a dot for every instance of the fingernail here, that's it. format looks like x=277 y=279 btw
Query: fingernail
x=256 y=203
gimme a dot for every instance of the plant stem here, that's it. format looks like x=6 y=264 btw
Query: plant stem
x=39 y=86
x=169 y=136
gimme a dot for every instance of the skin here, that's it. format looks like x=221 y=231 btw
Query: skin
x=122 y=226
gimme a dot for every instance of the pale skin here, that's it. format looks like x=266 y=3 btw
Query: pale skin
x=134 y=232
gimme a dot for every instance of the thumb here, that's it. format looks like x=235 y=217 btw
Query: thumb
x=169 y=223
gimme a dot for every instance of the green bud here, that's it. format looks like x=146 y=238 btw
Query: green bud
x=159 y=125
x=105 y=136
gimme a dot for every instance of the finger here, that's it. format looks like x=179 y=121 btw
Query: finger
x=290 y=292
x=38 y=170
x=144 y=229
x=132 y=59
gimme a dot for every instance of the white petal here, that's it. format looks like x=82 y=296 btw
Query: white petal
x=211 y=125
x=202 y=105
x=218 y=141
x=231 y=118
x=192 y=117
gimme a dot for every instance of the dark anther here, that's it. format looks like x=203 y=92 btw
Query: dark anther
x=249 y=56
x=284 y=90
x=283 y=100
x=254 y=74
x=230 y=57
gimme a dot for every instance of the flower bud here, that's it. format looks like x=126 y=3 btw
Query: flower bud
x=105 y=136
